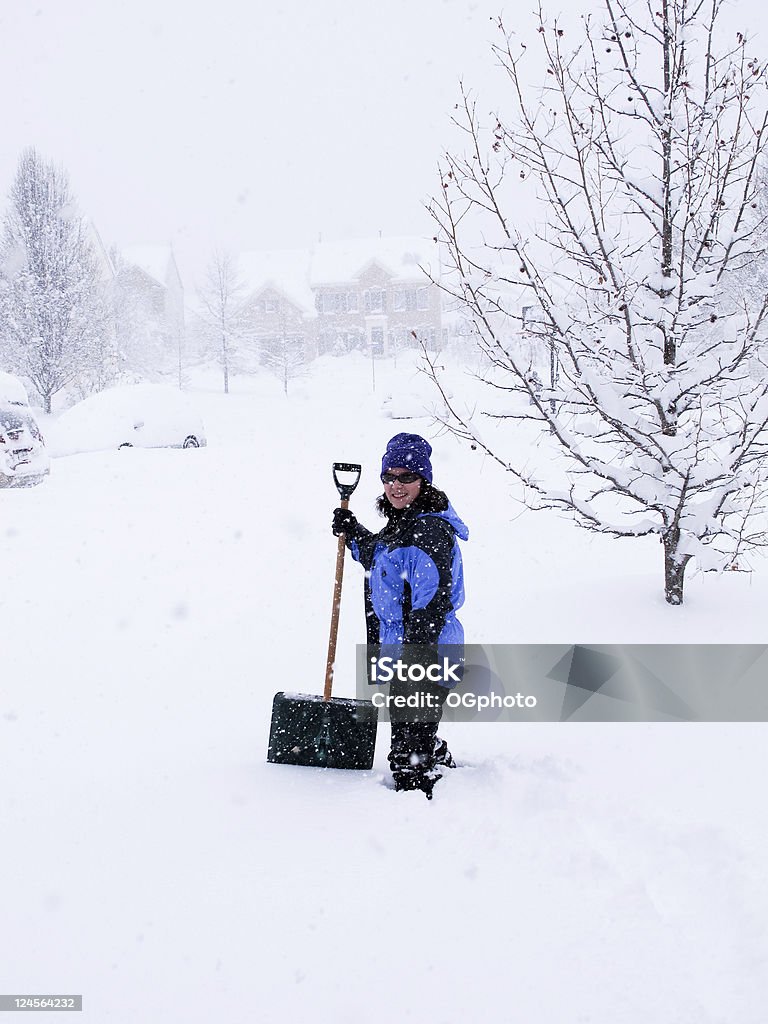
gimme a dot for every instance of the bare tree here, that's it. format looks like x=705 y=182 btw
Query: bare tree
x=224 y=323
x=283 y=354
x=750 y=281
x=55 y=319
x=638 y=158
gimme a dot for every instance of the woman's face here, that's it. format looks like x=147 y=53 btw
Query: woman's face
x=400 y=494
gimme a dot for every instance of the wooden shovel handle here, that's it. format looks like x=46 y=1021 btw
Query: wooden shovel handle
x=340 y=552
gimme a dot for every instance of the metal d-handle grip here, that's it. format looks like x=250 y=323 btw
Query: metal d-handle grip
x=345 y=490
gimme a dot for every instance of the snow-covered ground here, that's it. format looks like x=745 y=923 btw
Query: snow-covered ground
x=154 y=601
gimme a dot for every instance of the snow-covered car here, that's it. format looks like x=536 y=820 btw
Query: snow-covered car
x=127 y=416
x=23 y=458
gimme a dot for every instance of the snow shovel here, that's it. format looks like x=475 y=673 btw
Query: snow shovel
x=326 y=732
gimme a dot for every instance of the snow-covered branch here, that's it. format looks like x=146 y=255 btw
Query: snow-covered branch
x=641 y=158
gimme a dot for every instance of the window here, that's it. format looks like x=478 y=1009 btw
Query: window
x=422 y=298
x=336 y=302
x=405 y=300
x=271 y=304
x=374 y=300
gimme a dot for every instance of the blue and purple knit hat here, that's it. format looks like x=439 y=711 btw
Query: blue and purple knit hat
x=408 y=451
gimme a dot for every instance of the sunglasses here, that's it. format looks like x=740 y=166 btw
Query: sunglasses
x=404 y=478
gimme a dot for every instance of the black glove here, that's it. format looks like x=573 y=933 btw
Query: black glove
x=344 y=522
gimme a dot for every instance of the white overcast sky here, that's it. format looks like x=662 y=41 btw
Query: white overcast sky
x=243 y=123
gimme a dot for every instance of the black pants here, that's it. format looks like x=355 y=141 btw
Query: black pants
x=414 y=728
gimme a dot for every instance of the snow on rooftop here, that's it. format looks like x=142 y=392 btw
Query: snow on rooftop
x=285 y=270
x=105 y=261
x=152 y=259
x=295 y=272
x=401 y=256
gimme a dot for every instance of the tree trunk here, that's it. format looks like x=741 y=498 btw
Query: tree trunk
x=674 y=568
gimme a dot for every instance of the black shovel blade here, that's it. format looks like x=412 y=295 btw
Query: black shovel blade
x=335 y=733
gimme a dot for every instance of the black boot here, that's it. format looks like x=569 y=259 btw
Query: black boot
x=412 y=758
x=416 y=778
x=443 y=756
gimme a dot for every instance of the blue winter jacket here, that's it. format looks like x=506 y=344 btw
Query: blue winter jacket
x=415 y=578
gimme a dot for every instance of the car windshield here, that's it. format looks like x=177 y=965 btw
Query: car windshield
x=10 y=420
x=15 y=419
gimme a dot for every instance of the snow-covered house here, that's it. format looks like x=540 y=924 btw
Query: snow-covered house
x=279 y=307
x=376 y=294
x=151 y=272
x=152 y=300
x=369 y=294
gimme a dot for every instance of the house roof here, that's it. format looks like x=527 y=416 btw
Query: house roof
x=400 y=256
x=285 y=270
x=105 y=261
x=152 y=259
x=295 y=272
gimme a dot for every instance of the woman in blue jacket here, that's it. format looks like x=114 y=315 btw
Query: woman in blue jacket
x=414 y=586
